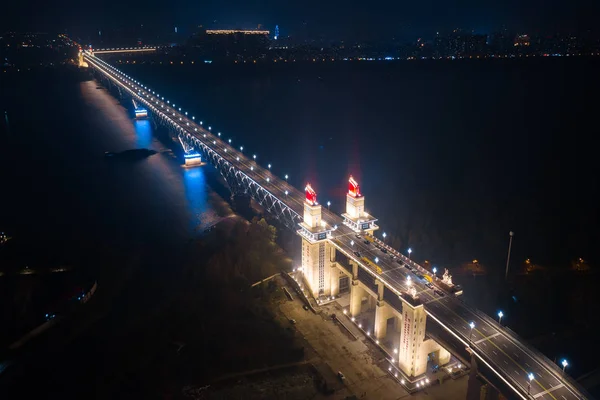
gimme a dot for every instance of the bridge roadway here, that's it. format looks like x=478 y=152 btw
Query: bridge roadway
x=500 y=349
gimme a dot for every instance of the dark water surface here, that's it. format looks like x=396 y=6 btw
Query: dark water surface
x=451 y=155
x=124 y=223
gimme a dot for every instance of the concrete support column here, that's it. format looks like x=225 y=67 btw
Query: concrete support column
x=380 y=288
x=356 y=294
x=382 y=313
x=354 y=270
x=444 y=357
x=474 y=384
x=334 y=277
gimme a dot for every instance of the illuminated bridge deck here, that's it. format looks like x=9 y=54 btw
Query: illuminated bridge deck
x=501 y=350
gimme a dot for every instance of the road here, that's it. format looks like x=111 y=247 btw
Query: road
x=508 y=355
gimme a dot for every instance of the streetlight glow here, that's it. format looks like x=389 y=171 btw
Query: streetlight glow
x=565 y=364
x=500 y=315
x=472 y=325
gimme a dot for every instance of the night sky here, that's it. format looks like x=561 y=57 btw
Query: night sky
x=333 y=19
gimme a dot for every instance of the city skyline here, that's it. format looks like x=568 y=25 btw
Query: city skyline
x=334 y=20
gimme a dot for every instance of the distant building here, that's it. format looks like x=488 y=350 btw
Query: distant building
x=236 y=44
x=522 y=40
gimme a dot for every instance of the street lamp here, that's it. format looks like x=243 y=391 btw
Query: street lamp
x=434 y=270
x=530 y=376
x=328 y=204
x=511 y=234
x=286 y=177
x=472 y=325
x=254 y=156
x=565 y=364
x=409 y=251
x=269 y=166
x=384 y=235
x=286 y=193
x=500 y=315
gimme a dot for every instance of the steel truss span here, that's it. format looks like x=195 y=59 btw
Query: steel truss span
x=241 y=183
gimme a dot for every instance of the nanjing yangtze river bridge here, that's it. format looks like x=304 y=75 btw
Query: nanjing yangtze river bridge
x=422 y=311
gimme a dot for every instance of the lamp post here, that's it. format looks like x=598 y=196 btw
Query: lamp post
x=500 y=315
x=471 y=325
x=511 y=234
x=384 y=235
x=565 y=364
x=434 y=270
x=409 y=251
x=328 y=204
x=286 y=177
x=530 y=376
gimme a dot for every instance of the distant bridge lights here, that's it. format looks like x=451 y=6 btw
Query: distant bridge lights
x=565 y=364
x=500 y=315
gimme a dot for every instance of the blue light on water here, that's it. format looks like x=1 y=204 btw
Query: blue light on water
x=196 y=192
x=143 y=133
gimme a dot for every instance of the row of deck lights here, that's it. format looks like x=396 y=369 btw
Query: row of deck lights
x=201 y=123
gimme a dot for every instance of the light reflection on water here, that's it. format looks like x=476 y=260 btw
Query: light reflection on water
x=143 y=131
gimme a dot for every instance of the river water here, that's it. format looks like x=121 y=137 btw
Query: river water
x=450 y=156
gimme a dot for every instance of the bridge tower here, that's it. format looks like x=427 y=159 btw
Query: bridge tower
x=414 y=349
x=355 y=216
x=191 y=156
x=318 y=256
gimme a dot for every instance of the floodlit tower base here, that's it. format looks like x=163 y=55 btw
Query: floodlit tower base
x=317 y=254
x=412 y=333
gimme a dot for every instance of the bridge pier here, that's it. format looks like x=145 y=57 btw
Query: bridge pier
x=477 y=387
